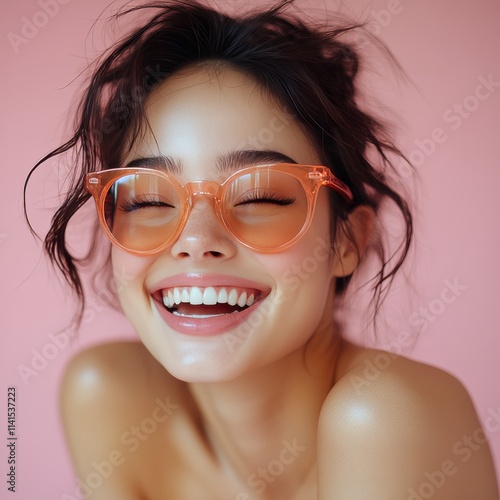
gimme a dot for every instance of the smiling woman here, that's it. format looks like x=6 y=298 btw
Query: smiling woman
x=208 y=223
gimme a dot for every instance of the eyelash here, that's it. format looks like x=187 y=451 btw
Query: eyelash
x=134 y=204
x=131 y=205
x=256 y=197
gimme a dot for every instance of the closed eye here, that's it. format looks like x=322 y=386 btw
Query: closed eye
x=269 y=198
x=131 y=205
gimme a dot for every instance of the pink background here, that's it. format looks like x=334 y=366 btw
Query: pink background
x=446 y=47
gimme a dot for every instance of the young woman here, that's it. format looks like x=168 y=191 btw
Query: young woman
x=241 y=186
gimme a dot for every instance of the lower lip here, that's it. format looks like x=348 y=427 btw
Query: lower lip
x=205 y=327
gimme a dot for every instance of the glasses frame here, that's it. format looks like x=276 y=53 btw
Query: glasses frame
x=311 y=177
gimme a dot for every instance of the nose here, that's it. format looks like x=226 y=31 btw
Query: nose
x=204 y=236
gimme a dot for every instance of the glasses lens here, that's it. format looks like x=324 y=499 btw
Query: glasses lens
x=265 y=209
x=142 y=211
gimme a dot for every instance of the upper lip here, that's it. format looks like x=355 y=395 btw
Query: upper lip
x=203 y=280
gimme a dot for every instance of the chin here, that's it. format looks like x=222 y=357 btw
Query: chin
x=205 y=371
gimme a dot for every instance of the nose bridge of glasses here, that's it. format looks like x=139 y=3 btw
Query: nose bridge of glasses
x=202 y=188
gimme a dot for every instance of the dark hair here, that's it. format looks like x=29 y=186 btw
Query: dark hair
x=308 y=69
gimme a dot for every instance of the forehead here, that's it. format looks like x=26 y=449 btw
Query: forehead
x=203 y=113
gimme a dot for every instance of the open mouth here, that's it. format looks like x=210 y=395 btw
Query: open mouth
x=208 y=302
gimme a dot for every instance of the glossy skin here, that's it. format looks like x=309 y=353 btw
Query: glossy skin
x=279 y=414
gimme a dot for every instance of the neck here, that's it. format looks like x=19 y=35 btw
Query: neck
x=248 y=422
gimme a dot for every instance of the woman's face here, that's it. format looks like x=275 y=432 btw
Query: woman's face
x=196 y=118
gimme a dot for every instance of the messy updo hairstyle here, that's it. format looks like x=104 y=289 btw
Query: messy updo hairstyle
x=308 y=69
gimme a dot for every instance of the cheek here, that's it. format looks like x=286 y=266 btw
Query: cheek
x=129 y=274
x=313 y=253
x=307 y=273
x=309 y=270
x=303 y=274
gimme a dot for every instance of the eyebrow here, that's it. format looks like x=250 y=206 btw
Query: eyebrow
x=160 y=162
x=224 y=163
x=249 y=157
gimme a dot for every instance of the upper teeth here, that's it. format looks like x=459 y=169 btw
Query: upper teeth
x=208 y=296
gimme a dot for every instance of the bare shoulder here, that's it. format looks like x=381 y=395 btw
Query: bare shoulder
x=121 y=374
x=112 y=397
x=394 y=428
